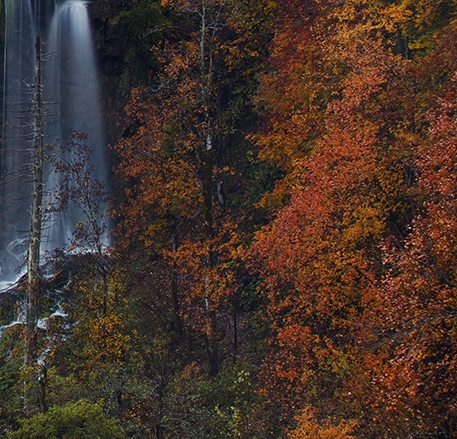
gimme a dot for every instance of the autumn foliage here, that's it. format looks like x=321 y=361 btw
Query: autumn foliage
x=418 y=289
x=285 y=211
x=355 y=266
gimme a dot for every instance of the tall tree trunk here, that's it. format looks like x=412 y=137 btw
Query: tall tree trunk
x=208 y=215
x=34 y=277
x=210 y=25
x=235 y=331
x=174 y=278
x=33 y=266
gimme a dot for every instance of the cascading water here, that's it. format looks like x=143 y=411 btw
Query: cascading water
x=72 y=84
x=15 y=184
x=72 y=102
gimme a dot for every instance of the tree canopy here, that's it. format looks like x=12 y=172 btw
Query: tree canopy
x=284 y=232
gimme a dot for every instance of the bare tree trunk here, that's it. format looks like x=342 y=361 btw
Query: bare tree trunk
x=211 y=324
x=34 y=277
x=235 y=331
x=33 y=266
x=174 y=280
x=206 y=52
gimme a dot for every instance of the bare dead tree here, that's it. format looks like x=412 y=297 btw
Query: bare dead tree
x=33 y=259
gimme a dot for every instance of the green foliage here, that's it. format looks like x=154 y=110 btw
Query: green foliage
x=80 y=420
x=128 y=29
x=218 y=407
x=10 y=364
x=145 y=25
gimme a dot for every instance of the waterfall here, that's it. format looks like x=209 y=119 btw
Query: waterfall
x=71 y=84
x=72 y=102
